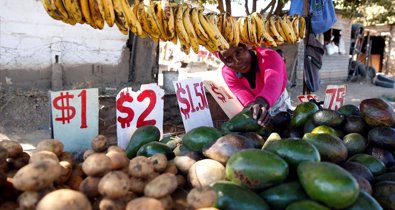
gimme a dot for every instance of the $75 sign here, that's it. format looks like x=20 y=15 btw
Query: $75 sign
x=138 y=108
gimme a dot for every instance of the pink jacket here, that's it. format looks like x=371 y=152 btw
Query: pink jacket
x=271 y=79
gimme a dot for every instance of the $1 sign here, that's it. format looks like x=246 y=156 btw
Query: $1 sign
x=68 y=111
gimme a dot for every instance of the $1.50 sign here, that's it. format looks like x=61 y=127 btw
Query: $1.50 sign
x=75 y=117
x=334 y=96
x=224 y=97
x=193 y=104
x=137 y=109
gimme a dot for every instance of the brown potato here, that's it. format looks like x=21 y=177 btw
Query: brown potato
x=64 y=199
x=96 y=164
x=20 y=161
x=90 y=186
x=137 y=185
x=171 y=168
x=140 y=166
x=67 y=156
x=167 y=202
x=162 y=185
x=52 y=145
x=37 y=175
x=99 y=143
x=109 y=204
x=205 y=172
x=118 y=159
x=13 y=148
x=74 y=182
x=201 y=197
x=181 y=181
x=43 y=155
x=29 y=199
x=65 y=173
x=114 y=185
x=145 y=203
x=114 y=148
x=87 y=153
x=159 y=161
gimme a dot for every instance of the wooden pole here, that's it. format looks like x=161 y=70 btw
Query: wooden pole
x=306 y=14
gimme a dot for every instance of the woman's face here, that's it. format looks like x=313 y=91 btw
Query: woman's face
x=237 y=58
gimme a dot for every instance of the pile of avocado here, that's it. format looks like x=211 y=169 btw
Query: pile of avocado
x=308 y=159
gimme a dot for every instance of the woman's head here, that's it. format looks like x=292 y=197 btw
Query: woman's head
x=237 y=58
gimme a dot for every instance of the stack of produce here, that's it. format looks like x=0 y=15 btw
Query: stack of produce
x=161 y=20
x=312 y=158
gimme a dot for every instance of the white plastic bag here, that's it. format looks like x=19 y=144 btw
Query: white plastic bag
x=331 y=48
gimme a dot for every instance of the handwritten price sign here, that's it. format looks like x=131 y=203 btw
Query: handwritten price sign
x=75 y=117
x=224 y=97
x=334 y=96
x=136 y=109
x=307 y=98
x=193 y=103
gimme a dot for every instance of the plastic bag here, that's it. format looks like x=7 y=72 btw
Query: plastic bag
x=342 y=48
x=331 y=48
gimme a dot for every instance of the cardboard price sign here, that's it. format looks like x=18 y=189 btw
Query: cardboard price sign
x=224 y=97
x=334 y=96
x=193 y=104
x=307 y=98
x=138 y=108
x=75 y=117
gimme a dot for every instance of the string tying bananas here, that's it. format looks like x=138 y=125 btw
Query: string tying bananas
x=162 y=20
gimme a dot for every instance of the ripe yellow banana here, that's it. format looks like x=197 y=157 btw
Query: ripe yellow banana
x=200 y=32
x=168 y=19
x=287 y=30
x=131 y=19
x=96 y=6
x=295 y=25
x=189 y=29
x=289 y=23
x=181 y=32
x=267 y=38
x=86 y=13
x=302 y=27
x=227 y=29
x=259 y=25
x=141 y=33
x=220 y=24
x=272 y=27
x=119 y=14
x=280 y=29
x=251 y=26
x=48 y=9
x=242 y=22
x=209 y=29
x=148 y=20
x=212 y=18
x=58 y=7
x=235 y=30
x=108 y=10
x=122 y=28
x=73 y=9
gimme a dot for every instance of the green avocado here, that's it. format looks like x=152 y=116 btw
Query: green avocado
x=197 y=138
x=280 y=196
x=306 y=205
x=328 y=117
x=155 y=147
x=141 y=136
x=302 y=113
x=331 y=148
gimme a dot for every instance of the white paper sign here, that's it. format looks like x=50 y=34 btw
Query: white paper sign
x=136 y=109
x=224 y=97
x=193 y=104
x=75 y=117
x=307 y=98
x=334 y=96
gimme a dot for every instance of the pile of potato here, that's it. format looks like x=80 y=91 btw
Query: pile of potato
x=49 y=178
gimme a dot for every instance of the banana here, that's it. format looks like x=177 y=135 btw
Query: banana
x=50 y=11
x=58 y=6
x=131 y=19
x=302 y=27
x=190 y=30
x=119 y=14
x=235 y=31
x=168 y=19
x=242 y=22
x=227 y=29
x=267 y=39
x=251 y=26
x=289 y=23
x=175 y=39
x=295 y=25
x=259 y=25
x=108 y=10
x=86 y=13
x=181 y=32
x=287 y=30
x=73 y=9
x=280 y=29
x=122 y=28
x=148 y=20
x=200 y=32
x=220 y=24
x=272 y=27
x=209 y=29
x=213 y=19
x=96 y=6
x=141 y=33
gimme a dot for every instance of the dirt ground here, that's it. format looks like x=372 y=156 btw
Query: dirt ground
x=24 y=115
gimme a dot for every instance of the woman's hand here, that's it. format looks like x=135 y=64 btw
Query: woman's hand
x=261 y=111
